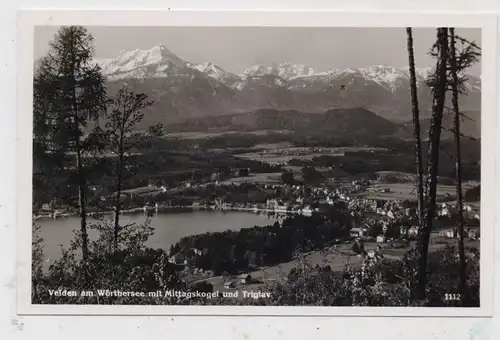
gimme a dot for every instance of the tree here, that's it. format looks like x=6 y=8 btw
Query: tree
x=470 y=57
x=69 y=92
x=473 y=194
x=122 y=137
x=459 y=59
x=311 y=175
x=287 y=177
x=438 y=85
x=416 y=126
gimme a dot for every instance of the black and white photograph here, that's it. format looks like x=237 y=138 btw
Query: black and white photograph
x=256 y=166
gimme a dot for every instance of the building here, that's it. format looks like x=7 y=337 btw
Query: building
x=473 y=234
x=411 y=231
x=444 y=210
x=197 y=251
x=357 y=232
x=229 y=284
x=272 y=203
x=373 y=204
x=177 y=259
x=451 y=233
x=306 y=211
x=215 y=177
x=245 y=278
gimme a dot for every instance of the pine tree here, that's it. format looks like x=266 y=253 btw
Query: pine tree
x=458 y=62
x=69 y=92
x=459 y=59
x=458 y=169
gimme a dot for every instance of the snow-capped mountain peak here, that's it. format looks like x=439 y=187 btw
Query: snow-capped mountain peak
x=207 y=67
x=215 y=72
x=385 y=76
x=159 y=61
x=141 y=63
x=286 y=71
x=423 y=72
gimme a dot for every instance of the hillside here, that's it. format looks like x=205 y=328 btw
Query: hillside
x=338 y=122
x=470 y=125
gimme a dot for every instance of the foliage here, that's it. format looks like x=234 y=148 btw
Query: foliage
x=287 y=177
x=36 y=261
x=120 y=137
x=126 y=111
x=385 y=283
x=311 y=175
x=68 y=93
x=133 y=267
x=473 y=194
x=467 y=54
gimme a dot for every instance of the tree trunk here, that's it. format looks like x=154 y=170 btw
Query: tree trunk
x=433 y=161
x=79 y=165
x=82 y=204
x=458 y=168
x=416 y=127
x=117 y=220
x=119 y=176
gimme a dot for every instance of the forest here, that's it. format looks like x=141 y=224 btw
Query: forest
x=236 y=251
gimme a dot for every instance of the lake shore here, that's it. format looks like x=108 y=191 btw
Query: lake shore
x=176 y=209
x=169 y=227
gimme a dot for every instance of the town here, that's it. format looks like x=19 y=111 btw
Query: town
x=377 y=220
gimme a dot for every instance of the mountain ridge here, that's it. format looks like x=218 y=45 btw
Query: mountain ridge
x=346 y=122
x=160 y=55
x=183 y=90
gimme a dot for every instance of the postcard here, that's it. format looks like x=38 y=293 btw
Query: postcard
x=256 y=163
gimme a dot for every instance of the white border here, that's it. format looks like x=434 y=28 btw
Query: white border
x=28 y=19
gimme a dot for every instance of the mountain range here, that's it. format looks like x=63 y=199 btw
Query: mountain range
x=183 y=90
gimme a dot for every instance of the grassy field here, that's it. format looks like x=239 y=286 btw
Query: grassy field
x=406 y=191
x=202 y=135
x=143 y=191
x=270 y=146
x=267 y=178
x=280 y=153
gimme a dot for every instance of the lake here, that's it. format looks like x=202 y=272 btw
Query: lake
x=169 y=228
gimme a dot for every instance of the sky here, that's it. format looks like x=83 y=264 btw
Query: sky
x=238 y=48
